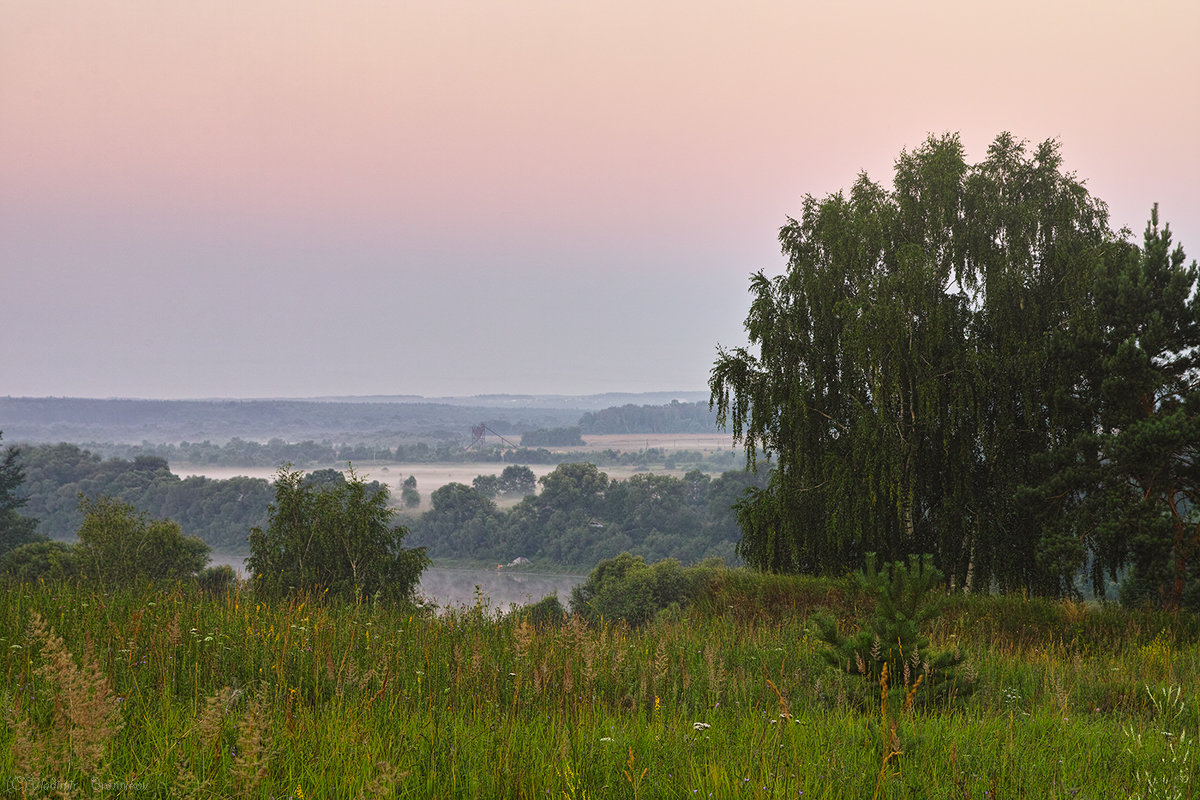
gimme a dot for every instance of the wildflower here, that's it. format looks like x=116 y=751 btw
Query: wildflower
x=700 y=726
x=606 y=738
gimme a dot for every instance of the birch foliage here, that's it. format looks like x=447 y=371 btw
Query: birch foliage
x=903 y=375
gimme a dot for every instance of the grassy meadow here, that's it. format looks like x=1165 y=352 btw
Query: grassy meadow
x=166 y=692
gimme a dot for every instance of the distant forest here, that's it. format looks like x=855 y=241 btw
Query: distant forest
x=50 y=419
x=221 y=512
x=242 y=453
x=268 y=433
x=579 y=517
x=674 y=417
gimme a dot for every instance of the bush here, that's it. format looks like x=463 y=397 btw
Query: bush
x=628 y=589
x=217 y=581
x=545 y=613
x=120 y=546
x=40 y=560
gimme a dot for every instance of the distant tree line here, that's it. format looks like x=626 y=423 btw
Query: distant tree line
x=656 y=516
x=674 y=417
x=123 y=420
x=221 y=512
x=437 y=446
x=241 y=453
x=326 y=536
x=581 y=517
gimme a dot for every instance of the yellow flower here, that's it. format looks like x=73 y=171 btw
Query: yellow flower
x=299 y=792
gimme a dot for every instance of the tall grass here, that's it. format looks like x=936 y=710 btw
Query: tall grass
x=174 y=693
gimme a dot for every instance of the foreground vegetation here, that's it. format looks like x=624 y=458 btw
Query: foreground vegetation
x=168 y=691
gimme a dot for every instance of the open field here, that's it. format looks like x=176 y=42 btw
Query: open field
x=633 y=442
x=167 y=693
x=429 y=476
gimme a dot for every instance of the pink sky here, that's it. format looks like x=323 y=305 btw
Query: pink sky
x=298 y=198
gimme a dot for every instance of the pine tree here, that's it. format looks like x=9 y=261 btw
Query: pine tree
x=15 y=529
x=1127 y=487
x=906 y=597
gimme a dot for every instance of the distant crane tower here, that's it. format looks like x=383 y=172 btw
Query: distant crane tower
x=481 y=430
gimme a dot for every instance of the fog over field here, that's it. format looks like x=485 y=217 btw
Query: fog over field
x=430 y=477
x=502 y=589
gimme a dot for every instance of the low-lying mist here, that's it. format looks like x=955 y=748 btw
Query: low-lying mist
x=500 y=589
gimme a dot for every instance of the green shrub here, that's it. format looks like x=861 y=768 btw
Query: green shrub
x=119 y=545
x=547 y=612
x=216 y=581
x=628 y=589
x=40 y=560
x=906 y=597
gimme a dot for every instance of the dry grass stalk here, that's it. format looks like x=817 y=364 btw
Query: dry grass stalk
x=568 y=679
x=476 y=663
x=384 y=782
x=586 y=646
x=660 y=661
x=331 y=671
x=883 y=689
x=908 y=698
x=209 y=726
x=785 y=708
x=173 y=634
x=523 y=637
x=716 y=668
x=616 y=656
x=85 y=720
x=253 y=749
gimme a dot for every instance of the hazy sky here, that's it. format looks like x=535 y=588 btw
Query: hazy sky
x=247 y=198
